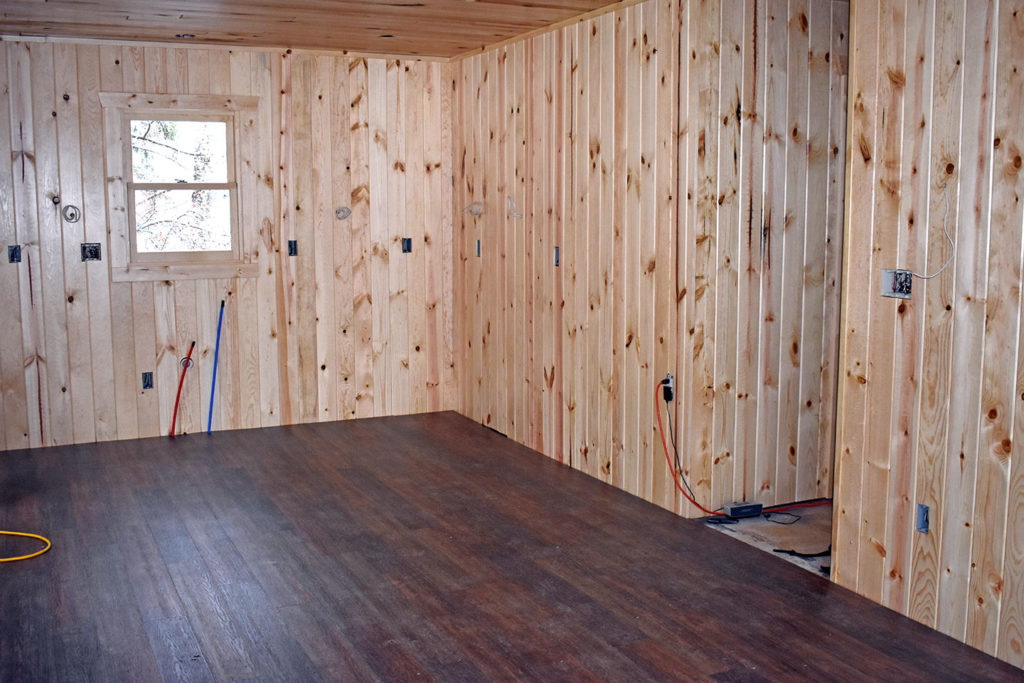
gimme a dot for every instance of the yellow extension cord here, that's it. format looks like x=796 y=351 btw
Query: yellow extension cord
x=26 y=557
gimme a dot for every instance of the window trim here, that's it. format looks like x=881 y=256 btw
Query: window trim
x=126 y=263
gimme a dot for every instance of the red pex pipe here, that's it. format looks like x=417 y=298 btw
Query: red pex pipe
x=184 y=369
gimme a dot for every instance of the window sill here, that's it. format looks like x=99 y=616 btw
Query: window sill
x=193 y=271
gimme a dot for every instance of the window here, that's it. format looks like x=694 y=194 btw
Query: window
x=174 y=205
x=182 y=187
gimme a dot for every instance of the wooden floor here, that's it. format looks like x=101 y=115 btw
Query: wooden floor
x=421 y=547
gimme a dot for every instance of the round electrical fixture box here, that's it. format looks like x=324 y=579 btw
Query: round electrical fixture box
x=71 y=213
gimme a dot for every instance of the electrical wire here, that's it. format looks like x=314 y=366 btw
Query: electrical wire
x=793 y=518
x=184 y=368
x=945 y=231
x=668 y=458
x=793 y=506
x=30 y=555
x=675 y=449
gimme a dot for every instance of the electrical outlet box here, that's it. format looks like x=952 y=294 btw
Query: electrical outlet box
x=921 y=522
x=896 y=283
x=557 y=259
x=406 y=245
x=741 y=509
x=147 y=380
x=91 y=251
x=14 y=253
x=293 y=247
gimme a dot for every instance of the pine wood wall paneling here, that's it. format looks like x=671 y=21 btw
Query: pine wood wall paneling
x=771 y=248
x=790 y=233
x=127 y=381
x=576 y=254
x=702 y=193
x=69 y=182
x=649 y=219
x=906 y=334
x=606 y=460
x=648 y=115
x=838 y=88
x=322 y=165
x=102 y=335
x=723 y=446
x=13 y=397
x=343 y=287
x=361 y=249
x=503 y=117
x=999 y=397
x=442 y=193
x=667 y=56
x=808 y=452
x=22 y=125
x=239 y=396
x=853 y=348
x=415 y=229
x=882 y=319
x=749 y=255
x=954 y=387
x=380 y=294
x=265 y=84
x=398 y=304
x=1009 y=189
x=684 y=245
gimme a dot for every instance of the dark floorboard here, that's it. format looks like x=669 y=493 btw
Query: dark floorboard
x=421 y=547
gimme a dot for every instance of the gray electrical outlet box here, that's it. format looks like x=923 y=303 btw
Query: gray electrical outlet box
x=896 y=283
x=91 y=251
x=921 y=523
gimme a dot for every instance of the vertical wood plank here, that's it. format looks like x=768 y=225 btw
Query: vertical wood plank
x=13 y=376
x=54 y=329
x=749 y=282
x=728 y=122
x=378 y=230
x=1002 y=312
x=344 y=268
x=397 y=381
x=415 y=229
x=69 y=188
x=323 y=234
x=360 y=240
x=704 y=88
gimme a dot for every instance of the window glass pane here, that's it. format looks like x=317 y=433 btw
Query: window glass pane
x=179 y=151
x=182 y=220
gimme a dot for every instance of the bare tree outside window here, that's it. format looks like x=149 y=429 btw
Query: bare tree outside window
x=194 y=155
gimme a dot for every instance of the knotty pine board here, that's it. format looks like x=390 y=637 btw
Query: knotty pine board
x=696 y=229
x=309 y=338
x=930 y=392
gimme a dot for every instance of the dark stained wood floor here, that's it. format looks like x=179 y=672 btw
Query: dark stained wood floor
x=421 y=547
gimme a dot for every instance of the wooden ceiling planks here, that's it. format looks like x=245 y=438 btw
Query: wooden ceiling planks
x=424 y=28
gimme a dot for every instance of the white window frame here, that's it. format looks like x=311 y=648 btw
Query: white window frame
x=126 y=262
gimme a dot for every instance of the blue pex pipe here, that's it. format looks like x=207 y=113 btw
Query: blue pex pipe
x=216 y=353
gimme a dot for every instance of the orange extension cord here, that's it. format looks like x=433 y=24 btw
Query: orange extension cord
x=664 y=445
x=675 y=477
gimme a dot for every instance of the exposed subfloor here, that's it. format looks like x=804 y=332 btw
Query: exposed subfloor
x=806 y=531
x=419 y=547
